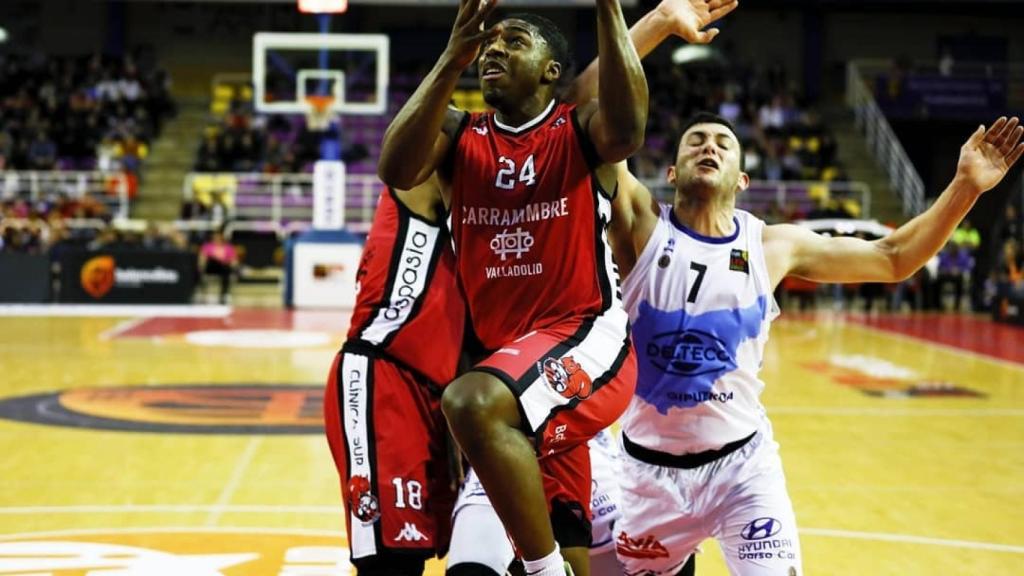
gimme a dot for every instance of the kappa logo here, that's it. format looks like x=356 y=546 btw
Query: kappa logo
x=645 y=547
x=410 y=533
x=566 y=377
x=361 y=501
x=558 y=123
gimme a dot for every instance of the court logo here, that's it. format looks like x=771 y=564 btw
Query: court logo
x=97 y=276
x=566 y=377
x=881 y=378
x=761 y=529
x=180 y=409
x=361 y=501
x=176 y=552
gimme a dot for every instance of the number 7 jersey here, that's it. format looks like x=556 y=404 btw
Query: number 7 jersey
x=528 y=221
x=700 y=310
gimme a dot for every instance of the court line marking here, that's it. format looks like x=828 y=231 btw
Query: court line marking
x=110 y=310
x=822 y=532
x=177 y=529
x=234 y=481
x=921 y=412
x=910 y=539
x=121 y=328
x=170 y=508
x=949 y=347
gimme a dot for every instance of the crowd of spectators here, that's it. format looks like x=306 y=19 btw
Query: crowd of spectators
x=783 y=139
x=79 y=113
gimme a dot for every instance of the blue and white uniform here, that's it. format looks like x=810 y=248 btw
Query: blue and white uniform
x=700 y=458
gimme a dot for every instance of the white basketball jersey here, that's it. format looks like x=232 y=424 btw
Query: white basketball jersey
x=700 y=310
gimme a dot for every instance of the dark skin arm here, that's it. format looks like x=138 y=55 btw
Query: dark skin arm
x=426 y=117
x=616 y=121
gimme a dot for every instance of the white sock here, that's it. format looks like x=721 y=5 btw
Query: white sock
x=550 y=565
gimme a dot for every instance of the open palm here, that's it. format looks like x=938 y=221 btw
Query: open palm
x=689 y=17
x=988 y=154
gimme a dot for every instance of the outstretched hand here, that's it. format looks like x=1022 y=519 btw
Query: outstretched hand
x=687 y=18
x=469 y=33
x=988 y=155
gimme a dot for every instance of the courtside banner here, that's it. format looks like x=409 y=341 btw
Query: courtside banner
x=25 y=277
x=127 y=276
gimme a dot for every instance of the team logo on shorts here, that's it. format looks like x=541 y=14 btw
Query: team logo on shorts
x=566 y=377
x=361 y=501
x=760 y=529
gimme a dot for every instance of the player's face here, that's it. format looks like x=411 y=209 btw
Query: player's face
x=708 y=162
x=514 y=64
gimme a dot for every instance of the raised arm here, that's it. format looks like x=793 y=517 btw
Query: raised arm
x=683 y=18
x=418 y=138
x=616 y=121
x=984 y=160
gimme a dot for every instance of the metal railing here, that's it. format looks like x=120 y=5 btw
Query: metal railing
x=286 y=200
x=883 y=143
x=111 y=188
x=764 y=197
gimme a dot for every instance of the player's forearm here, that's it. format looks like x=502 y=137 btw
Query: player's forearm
x=622 y=91
x=911 y=246
x=646 y=35
x=409 y=140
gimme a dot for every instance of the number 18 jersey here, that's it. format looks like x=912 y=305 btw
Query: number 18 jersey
x=700 y=309
x=528 y=220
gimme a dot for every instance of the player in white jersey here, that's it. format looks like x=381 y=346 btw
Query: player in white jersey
x=700 y=460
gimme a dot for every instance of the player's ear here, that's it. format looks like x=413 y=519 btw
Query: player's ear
x=552 y=72
x=671 y=175
x=742 y=182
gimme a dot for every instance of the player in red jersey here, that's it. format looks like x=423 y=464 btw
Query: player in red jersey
x=530 y=191
x=382 y=405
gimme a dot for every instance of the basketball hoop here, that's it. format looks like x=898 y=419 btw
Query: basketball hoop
x=318 y=112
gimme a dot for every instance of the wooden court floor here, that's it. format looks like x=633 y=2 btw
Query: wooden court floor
x=181 y=447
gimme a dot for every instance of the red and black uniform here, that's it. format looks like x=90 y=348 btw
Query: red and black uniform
x=382 y=405
x=528 y=219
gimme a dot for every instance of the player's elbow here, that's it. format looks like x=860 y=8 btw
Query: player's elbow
x=624 y=145
x=395 y=174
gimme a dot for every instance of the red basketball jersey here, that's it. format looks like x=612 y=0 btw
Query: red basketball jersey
x=408 y=304
x=529 y=218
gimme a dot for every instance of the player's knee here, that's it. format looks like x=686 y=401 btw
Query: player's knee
x=475 y=401
x=390 y=564
x=470 y=569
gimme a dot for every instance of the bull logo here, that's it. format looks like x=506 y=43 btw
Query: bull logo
x=567 y=377
x=361 y=501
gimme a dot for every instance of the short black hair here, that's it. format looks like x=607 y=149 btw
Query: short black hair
x=551 y=34
x=704 y=117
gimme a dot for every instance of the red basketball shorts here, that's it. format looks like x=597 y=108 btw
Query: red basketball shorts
x=571 y=382
x=389 y=441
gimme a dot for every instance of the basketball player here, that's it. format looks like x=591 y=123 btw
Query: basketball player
x=700 y=460
x=529 y=189
x=382 y=404
x=479 y=545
